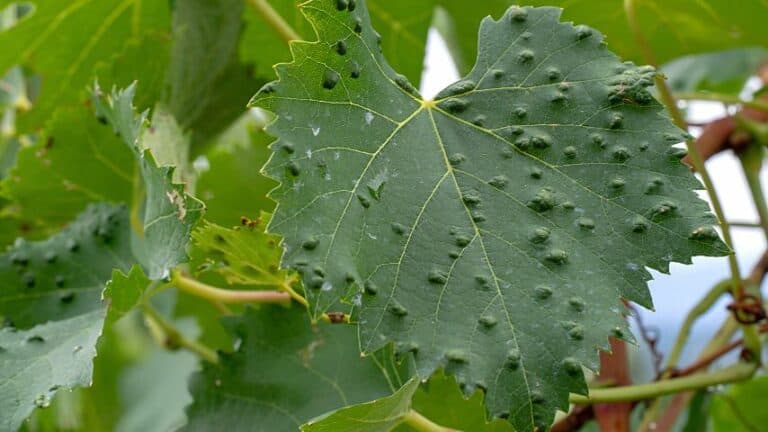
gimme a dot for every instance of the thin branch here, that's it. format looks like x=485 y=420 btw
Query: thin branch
x=173 y=339
x=734 y=373
x=202 y=290
x=275 y=20
x=728 y=99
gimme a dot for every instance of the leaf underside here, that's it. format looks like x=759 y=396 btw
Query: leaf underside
x=495 y=230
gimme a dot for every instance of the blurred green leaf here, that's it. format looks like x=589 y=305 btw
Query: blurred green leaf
x=741 y=407
x=721 y=72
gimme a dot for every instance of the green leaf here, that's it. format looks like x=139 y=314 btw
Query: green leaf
x=124 y=292
x=207 y=85
x=378 y=416
x=66 y=64
x=231 y=174
x=720 y=72
x=55 y=178
x=35 y=363
x=283 y=373
x=439 y=400
x=403 y=26
x=169 y=213
x=243 y=256
x=673 y=28
x=63 y=276
x=519 y=207
x=741 y=407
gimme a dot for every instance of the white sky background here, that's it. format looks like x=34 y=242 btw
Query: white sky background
x=676 y=293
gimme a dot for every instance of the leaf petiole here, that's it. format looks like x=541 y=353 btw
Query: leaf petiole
x=417 y=421
x=202 y=290
x=172 y=339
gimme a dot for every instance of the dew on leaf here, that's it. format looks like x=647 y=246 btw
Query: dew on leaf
x=341 y=4
x=437 y=277
x=454 y=254
x=617 y=183
x=455 y=105
x=471 y=199
x=523 y=143
x=487 y=321
x=621 y=154
x=28 y=279
x=462 y=240
x=293 y=168
x=542 y=292
x=570 y=152
x=536 y=173
x=520 y=112
x=639 y=224
x=499 y=181
x=525 y=56
x=311 y=243
x=513 y=359
x=615 y=121
x=540 y=235
x=369 y=118
x=558 y=97
x=76 y=349
x=398 y=228
x=583 y=32
x=460 y=87
x=586 y=223
x=354 y=70
x=364 y=201
x=518 y=14
x=341 y=47
x=704 y=233
x=35 y=339
x=59 y=281
x=569 y=205
x=456 y=158
x=537 y=397
x=571 y=366
x=370 y=288
x=404 y=84
x=557 y=256
x=72 y=245
x=577 y=303
x=457 y=356
x=358 y=25
x=352 y=5
x=597 y=139
x=576 y=332
x=663 y=209
x=497 y=73
x=478 y=216
x=316 y=282
x=397 y=309
x=42 y=401
x=553 y=73
x=479 y=121
x=330 y=79
x=543 y=201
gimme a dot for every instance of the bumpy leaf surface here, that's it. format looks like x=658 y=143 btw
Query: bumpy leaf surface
x=495 y=230
x=35 y=363
x=283 y=373
x=169 y=213
x=63 y=276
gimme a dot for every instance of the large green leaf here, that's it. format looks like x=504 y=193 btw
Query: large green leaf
x=283 y=373
x=403 y=25
x=169 y=213
x=35 y=363
x=496 y=230
x=63 y=276
x=62 y=42
x=207 y=85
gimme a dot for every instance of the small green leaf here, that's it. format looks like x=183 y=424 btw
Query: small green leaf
x=124 y=292
x=522 y=205
x=721 y=72
x=63 y=276
x=381 y=415
x=243 y=256
x=36 y=363
x=169 y=213
x=283 y=373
